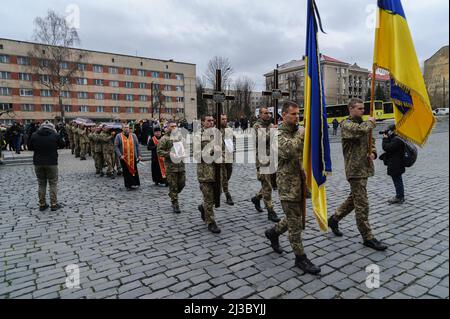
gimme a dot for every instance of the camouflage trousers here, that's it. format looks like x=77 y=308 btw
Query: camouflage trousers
x=208 y=201
x=76 y=148
x=108 y=160
x=46 y=174
x=83 y=149
x=266 y=189
x=176 y=181
x=98 y=160
x=72 y=144
x=292 y=223
x=358 y=201
x=226 y=171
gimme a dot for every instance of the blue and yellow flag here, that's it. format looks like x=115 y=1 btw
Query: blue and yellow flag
x=395 y=52
x=316 y=152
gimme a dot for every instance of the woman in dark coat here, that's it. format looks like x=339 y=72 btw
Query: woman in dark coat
x=158 y=169
x=393 y=159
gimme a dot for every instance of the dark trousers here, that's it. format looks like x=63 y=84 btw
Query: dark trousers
x=399 y=189
x=17 y=141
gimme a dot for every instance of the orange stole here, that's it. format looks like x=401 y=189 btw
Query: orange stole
x=160 y=159
x=128 y=152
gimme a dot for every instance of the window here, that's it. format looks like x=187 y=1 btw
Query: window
x=84 y=108
x=141 y=72
x=98 y=82
x=5 y=75
x=65 y=94
x=81 y=67
x=114 y=84
x=67 y=108
x=47 y=108
x=64 y=80
x=82 y=95
x=129 y=110
x=82 y=81
x=46 y=93
x=168 y=99
x=24 y=77
x=99 y=96
x=115 y=109
x=114 y=96
x=127 y=71
x=180 y=76
x=113 y=70
x=142 y=98
x=22 y=60
x=98 y=68
x=5 y=106
x=156 y=86
x=143 y=110
x=4 y=58
x=167 y=76
x=129 y=97
x=45 y=78
x=5 y=91
x=180 y=99
x=180 y=88
x=26 y=92
x=99 y=109
x=129 y=85
x=44 y=63
x=142 y=85
x=64 y=65
x=155 y=74
x=167 y=88
x=27 y=107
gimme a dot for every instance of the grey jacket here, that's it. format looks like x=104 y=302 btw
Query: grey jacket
x=119 y=149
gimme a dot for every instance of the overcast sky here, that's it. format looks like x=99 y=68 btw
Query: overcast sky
x=254 y=34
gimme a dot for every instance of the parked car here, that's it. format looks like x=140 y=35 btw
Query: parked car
x=441 y=111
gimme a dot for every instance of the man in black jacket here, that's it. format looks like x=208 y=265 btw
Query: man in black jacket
x=393 y=159
x=45 y=143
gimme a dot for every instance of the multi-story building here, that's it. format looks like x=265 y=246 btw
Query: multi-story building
x=107 y=87
x=436 y=74
x=383 y=81
x=341 y=80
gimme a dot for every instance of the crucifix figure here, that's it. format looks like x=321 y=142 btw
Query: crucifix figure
x=276 y=94
x=218 y=96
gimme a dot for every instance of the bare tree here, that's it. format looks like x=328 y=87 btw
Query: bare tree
x=202 y=105
x=53 y=61
x=219 y=63
x=243 y=88
x=158 y=99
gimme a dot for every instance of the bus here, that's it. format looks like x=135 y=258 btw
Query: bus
x=382 y=111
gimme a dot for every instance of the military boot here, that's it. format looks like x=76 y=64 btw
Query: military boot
x=396 y=200
x=375 y=244
x=257 y=202
x=202 y=212
x=213 y=228
x=274 y=240
x=229 y=199
x=306 y=265
x=334 y=225
x=272 y=216
x=176 y=208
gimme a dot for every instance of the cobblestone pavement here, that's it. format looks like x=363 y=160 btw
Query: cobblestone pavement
x=130 y=245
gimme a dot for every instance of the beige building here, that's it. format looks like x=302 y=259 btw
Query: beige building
x=342 y=80
x=107 y=86
x=436 y=78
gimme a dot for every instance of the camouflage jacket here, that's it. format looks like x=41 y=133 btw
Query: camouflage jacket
x=290 y=158
x=260 y=124
x=164 y=149
x=355 y=145
x=205 y=170
x=76 y=136
x=107 y=141
x=95 y=138
x=84 y=139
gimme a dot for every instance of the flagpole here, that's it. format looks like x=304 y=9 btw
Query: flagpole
x=372 y=106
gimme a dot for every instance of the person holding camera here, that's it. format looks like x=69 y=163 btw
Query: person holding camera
x=393 y=159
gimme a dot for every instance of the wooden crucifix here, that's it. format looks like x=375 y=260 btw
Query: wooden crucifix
x=218 y=96
x=276 y=94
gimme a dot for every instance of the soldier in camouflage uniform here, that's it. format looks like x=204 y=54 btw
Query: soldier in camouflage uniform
x=290 y=187
x=227 y=165
x=358 y=168
x=84 y=141
x=90 y=149
x=98 y=150
x=206 y=170
x=76 y=140
x=264 y=124
x=107 y=139
x=70 y=134
x=175 y=171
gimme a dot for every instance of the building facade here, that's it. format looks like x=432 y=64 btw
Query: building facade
x=436 y=78
x=341 y=80
x=106 y=87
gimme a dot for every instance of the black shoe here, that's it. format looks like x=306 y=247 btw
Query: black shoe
x=213 y=228
x=55 y=207
x=202 y=212
x=119 y=173
x=83 y=159
x=396 y=200
x=156 y=184
x=102 y=174
x=257 y=202
x=176 y=209
x=229 y=200
x=306 y=265
x=334 y=225
x=274 y=240
x=272 y=216
x=375 y=244
x=42 y=208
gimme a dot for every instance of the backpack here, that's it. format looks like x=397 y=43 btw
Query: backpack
x=409 y=154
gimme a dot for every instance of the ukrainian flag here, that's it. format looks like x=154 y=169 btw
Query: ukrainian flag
x=395 y=52
x=316 y=152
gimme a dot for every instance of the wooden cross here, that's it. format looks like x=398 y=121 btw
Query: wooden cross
x=218 y=97
x=275 y=94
